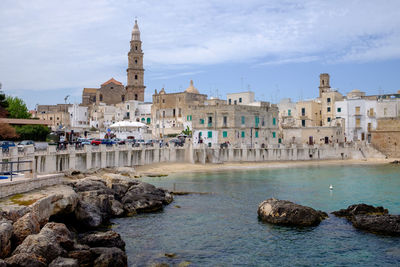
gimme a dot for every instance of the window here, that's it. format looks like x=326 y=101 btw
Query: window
x=179 y=112
x=230 y=101
x=256 y=134
x=142 y=119
x=240 y=100
x=385 y=111
x=273 y=135
x=328 y=109
x=303 y=123
x=339 y=109
x=200 y=134
x=235 y=102
x=357 y=110
x=209 y=134
x=225 y=120
x=303 y=111
x=163 y=114
x=209 y=121
x=257 y=120
x=201 y=121
x=243 y=134
x=289 y=112
x=127 y=106
x=135 y=61
x=163 y=100
x=111 y=87
x=358 y=122
x=189 y=117
x=273 y=121
x=243 y=120
x=123 y=98
x=101 y=97
x=329 y=119
x=224 y=134
x=135 y=47
x=148 y=120
x=173 y=112
x=135 y=77
x=328 y=100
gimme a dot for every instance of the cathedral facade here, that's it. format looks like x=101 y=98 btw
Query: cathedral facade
x=113 y=92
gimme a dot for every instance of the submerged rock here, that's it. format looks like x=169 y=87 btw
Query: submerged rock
x=283 y=212
x=372 y=219
x=360 y=209
x=64 y=262
x=109 y=257
x=103 y=239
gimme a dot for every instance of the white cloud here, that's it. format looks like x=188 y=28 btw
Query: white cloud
x=60 y=44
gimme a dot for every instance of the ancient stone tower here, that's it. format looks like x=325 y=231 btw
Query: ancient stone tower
x=323 y=83
x=135 y=84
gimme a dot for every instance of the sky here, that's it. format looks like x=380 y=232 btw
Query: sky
x=277 y=48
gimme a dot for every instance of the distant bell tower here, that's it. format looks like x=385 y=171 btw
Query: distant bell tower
x=135 y=84
x=323 y=83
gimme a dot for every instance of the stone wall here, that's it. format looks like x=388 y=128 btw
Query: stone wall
x=386 y=138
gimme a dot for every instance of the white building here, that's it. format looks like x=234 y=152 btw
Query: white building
x=243 y=98
x=359 y=115
x=136 y=111
x=287 y=113
x=79 y=118
x=102 y=116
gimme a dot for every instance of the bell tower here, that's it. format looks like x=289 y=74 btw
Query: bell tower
x=135 y=84
x=324 y=83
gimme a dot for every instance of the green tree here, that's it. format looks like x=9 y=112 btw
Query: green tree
x=3 y=105
x=187 y=131
x=32 y=132
x=17 y=108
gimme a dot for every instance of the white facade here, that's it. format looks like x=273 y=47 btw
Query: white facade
x=388 y=108
x=102 y=116
x=136 y=111
x=208 y=137
x=78 y=116
x=244 y=98
x=360 y=117
x=287 y=113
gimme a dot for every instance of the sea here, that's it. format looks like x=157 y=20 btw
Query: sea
x=221 y=227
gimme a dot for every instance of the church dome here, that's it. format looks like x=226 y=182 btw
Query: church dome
x=192 y=89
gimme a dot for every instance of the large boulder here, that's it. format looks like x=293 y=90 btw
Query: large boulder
x=372 y=219
x=284 y=212
x=119 y=183
x=103 y=239
x=144 y=197
x=360 y=209
x=93 y=209
x=26 y=260
x=61 y=203
x=109 y=257
x=6 y=230
x=92 y=183
x=3 y=263
x=52 y=241
x=25 y=226
x=64 y=262
x=13 y=212
x=84 y=256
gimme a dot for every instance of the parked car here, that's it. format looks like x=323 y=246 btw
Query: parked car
x=119 y=141
x=96 y=142
x=84 y=141
x=150 y=142
x=108 y=142
x=21 y=145
x=5 y=145
x=176 y=142
x=138 y=142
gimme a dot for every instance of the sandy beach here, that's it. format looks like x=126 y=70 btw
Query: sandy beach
x=170 y=168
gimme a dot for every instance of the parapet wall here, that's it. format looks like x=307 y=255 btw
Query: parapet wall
x=52 y=161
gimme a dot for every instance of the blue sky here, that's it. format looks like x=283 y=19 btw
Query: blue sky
x=50 y=49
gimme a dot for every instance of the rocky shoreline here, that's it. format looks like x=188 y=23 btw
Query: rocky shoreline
x=67 y=227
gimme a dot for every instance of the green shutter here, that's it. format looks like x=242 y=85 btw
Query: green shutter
x=273 y=135
x=201 y=121
x=243 y=120
x=274 y=121
x=148 y=120
x=200 y=134
x=289 y=112
x=256 y=134
x=224 y=134
x=209 y=135
x=243 y=134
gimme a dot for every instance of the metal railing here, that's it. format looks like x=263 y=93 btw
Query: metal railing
x=7 y=167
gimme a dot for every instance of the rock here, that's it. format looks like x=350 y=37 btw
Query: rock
x=13 y=213
x=395 y=162
x=26 y=225
x=170 y=255
x=61 y=203
x=284 y=212
x=103 y=239
x=117 y=209
x=71 y=173
x=93 y=209
x=118 y=183
x=126 y=171
x=6 y=230
x=379 y=224
x=109 y=257
x=52 y=241
x=144 y=197
x=26 y=260
x=92 y=183
x=64 y=262
x=84 y=257
x=360 y=209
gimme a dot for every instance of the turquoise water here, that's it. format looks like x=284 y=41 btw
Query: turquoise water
x=222 y=229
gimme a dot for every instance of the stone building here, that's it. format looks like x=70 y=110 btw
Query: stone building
x=110 y=93
x=57 y=114
x=386 y=137
x=309 y=113
x=171 y=113
x=243 y=98
x=240 y=125
x=287 y=113
x=314 y=135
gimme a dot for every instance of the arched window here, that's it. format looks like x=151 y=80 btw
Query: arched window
x=123 y=98
x=135 y=47
x=135 y=61
x=101 y=97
